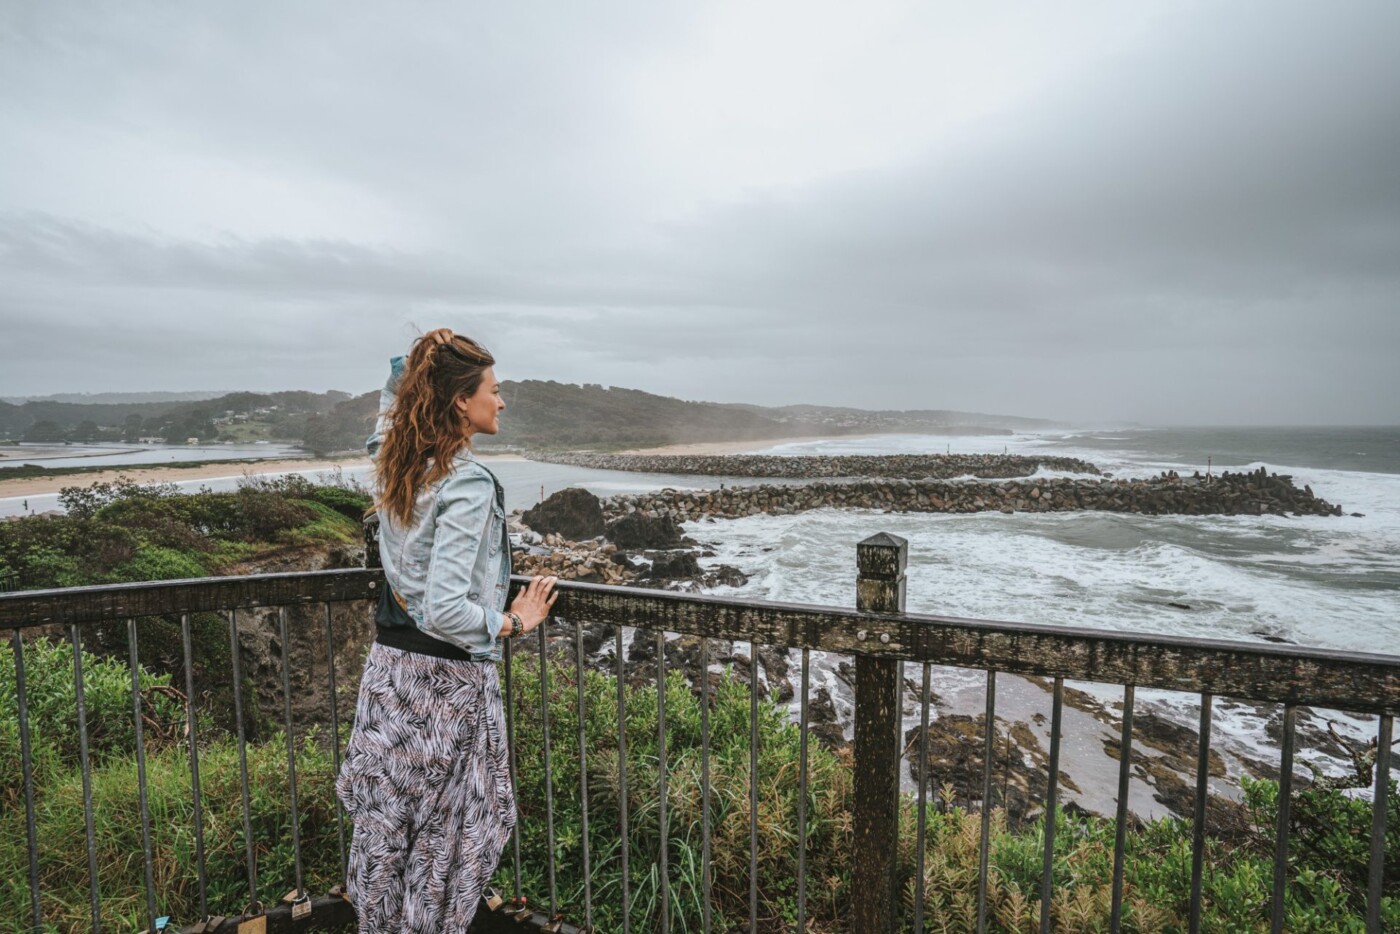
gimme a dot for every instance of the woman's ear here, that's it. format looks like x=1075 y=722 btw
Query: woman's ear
x=460 y=404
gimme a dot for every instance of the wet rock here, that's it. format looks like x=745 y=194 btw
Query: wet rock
x=1179 y=743
x=725 y=575
x=673 y=565
x=642 y=531
x=574 y=513
x=821 y=708
x=774 y=661
x=742 y=670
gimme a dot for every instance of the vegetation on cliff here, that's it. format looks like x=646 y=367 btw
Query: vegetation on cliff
x=124 y=531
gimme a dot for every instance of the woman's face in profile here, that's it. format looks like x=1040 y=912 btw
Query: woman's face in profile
x=483 y=408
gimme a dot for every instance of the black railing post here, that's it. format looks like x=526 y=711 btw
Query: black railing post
x=880 y=564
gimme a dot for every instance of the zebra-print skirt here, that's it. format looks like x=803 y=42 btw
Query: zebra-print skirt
x=426 y=781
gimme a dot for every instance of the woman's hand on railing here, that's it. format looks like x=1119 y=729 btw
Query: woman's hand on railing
x=533 y=603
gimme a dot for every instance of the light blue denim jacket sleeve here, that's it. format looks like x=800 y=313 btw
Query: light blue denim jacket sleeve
x=386 y=399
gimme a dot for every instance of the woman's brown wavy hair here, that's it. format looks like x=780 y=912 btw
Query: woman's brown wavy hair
x=425 y=429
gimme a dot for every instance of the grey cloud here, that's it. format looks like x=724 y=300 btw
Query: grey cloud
x=1203 y=225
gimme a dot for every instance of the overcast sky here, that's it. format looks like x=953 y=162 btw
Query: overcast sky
x=1165 y=212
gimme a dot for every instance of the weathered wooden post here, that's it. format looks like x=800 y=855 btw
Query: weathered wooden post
x=880 y=563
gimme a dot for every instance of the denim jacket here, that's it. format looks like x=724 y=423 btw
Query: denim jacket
x=451 y=563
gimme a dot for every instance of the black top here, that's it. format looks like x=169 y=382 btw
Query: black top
x=397 y=630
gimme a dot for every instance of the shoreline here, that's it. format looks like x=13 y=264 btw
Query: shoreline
x=213 y=470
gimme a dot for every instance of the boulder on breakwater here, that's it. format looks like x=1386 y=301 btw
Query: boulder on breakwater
x=1229 y=494
x=810 y=466
x=573 y=513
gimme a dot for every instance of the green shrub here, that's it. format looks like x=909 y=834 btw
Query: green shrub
x=52 y=701
x=350 y=503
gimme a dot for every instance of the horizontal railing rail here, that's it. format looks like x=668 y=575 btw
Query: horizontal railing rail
x=1340 y=680
x=879 y=636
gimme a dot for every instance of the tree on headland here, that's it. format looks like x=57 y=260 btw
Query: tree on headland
x=131 y=429
x=86 y=431
x=46 y=432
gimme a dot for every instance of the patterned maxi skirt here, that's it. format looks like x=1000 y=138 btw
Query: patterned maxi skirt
x=426 y=782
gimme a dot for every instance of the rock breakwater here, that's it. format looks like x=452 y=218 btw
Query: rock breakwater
x=804 y=467
x=1229 y=494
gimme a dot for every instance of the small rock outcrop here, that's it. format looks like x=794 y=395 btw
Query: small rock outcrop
x=673 y=565
x=573 y=513
x=640 y=531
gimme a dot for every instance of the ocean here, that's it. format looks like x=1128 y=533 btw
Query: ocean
x=1320 y=581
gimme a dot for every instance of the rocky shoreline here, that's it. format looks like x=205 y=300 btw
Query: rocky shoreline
x=806 y=467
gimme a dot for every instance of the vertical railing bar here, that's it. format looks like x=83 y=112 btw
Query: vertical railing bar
x=147 y=856
x=254 y=904
x=508 y=663
x=1378 y=818
x=753 y=786
x=706 y=917
x=920 y=836
x=335 y=736
x=802 y=794
x=583 y=777
x=192 y=730
x=291 y=747
x=85 y=762
x=622 y=778
x=1120 y=836
x=548 y=765
x=1198 y=825
x=1285 y=804
x=1047 y=866
x=661 y=802
x=27 y=770
x=988 y=749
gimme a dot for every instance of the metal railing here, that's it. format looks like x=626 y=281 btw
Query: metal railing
x=879 y=635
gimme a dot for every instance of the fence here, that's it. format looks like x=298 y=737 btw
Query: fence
x=879 y=635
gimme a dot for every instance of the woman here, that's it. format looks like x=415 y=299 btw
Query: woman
x=426 y=779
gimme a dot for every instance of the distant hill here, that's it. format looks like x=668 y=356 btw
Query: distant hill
x=116 y=398
x=540 y=414
x=239 y=416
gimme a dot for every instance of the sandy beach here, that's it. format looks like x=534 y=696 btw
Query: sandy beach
x=38 y=486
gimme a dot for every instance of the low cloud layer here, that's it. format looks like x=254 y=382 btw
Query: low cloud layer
x=1174 y=213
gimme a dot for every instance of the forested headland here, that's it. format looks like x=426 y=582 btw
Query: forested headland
x=540 y=415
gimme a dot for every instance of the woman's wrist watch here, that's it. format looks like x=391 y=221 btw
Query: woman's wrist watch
x=516 y=626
